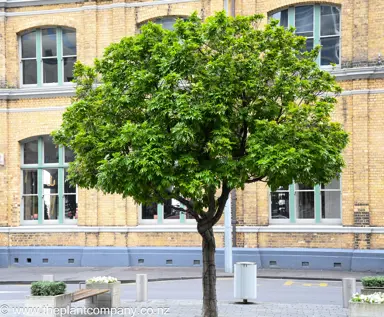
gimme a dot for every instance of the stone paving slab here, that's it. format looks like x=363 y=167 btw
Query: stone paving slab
x=188 y=308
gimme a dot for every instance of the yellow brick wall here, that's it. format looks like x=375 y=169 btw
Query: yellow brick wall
x=362 y=116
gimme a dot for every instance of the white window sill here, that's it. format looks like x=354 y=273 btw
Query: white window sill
x=33 y=91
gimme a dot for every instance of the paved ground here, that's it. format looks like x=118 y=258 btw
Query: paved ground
x=269 y=290
x=17 y=275
x=174 y=308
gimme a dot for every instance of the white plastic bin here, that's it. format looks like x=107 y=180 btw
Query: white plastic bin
x=245 y=282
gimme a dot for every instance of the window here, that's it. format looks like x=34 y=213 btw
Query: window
x=164 y=213
x=48 y=56
x=320 y=24
x=47 y=197
x=167 y=22
x=299 y=203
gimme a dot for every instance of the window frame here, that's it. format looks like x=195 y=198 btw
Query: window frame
x=316 y=27
x=160 y=218
x=317 y=220
x=60 y=166
x=39 y=57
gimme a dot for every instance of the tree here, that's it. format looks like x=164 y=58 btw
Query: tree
x=194 y=113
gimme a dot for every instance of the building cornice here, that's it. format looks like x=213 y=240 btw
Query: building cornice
x=69 y=90
x=372 y=72
x=43 y=92
x=192 y=229
x=31 y=3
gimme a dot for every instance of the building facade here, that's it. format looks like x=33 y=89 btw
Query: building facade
x=45 y=221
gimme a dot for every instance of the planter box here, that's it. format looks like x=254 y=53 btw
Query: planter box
x=48 y=306
x=110 y=299
x=371 y=290
x=365 y=310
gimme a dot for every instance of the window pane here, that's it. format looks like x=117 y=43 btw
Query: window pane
x=30 y=206
x=68 y=188
x=166 y=23
x=70 y=207
x=280 y=205
x=31 y=152
x=330 y=205
x=51 y=151
x=69 y=42
x=309 y=45
x=334 y=184
x=169 y=212
x=50 y=181
x=29 y=72
x=30 y=182
x=50 y=70
x=304 y=20
x=282 y=16
x=49 y=42
x=305 y=205
x=303 y=187
x=69 y=155
x=69 y=63
x=149 y=211
x=28 y=45
x=330 y=51
x=51 y=207
x=330 y=20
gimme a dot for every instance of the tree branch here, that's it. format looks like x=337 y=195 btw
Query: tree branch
x=221 y=202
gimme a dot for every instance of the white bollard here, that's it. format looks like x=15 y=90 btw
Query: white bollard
x=141 y=287
x=48 y=278
x=349 y=288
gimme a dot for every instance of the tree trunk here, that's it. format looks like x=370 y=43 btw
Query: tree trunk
x=209 y=275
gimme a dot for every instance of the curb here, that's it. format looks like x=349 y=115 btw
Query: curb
x=331 y=279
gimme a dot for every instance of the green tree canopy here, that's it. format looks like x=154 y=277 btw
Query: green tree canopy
x=215 y=105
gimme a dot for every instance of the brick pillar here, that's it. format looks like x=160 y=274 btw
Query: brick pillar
x=119 y=22
x=360 y=31
x=2 y=49
x=88 y=36
x=360 y=145
x=4 y=206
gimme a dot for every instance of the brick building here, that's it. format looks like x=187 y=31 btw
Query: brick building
x=44 y=221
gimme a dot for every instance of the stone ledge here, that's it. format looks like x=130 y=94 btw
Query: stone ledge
x=190 y=228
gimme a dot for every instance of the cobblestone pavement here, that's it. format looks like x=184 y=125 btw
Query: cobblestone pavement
x=173 y=308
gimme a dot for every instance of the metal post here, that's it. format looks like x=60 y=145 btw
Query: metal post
x=141 y=287
x=349 y=288
x=228 y=237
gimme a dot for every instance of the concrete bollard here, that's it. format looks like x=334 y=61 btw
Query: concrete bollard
x=141 y=287
x=349 y=288
x=48 y=278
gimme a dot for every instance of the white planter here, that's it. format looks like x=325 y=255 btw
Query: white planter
x=48 y=306
x=365 y=310
x=110 y=299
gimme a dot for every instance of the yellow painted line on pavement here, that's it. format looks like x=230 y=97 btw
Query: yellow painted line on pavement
x=288 y=283
x=307 y=284
x=323 y=284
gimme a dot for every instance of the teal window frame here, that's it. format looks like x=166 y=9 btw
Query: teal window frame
x=316 y=26
x=39 y=57
x=60 y=166
x=317 y=219
x=160 y=217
